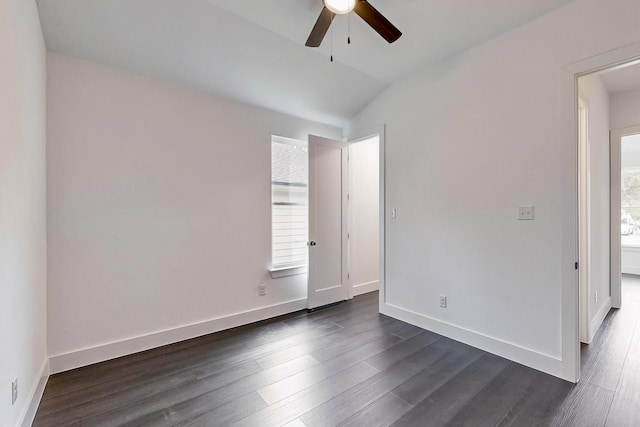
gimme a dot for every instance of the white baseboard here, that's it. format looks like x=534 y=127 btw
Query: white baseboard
x=35 y=395
x=364 y=288
x=597 y=320
x=88 y=356
x=525 y=356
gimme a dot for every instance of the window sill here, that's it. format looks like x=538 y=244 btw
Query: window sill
x=277 y=273
x=628 y=247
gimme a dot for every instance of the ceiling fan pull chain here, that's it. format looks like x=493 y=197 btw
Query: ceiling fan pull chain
x=331 y=45
x=349 y=29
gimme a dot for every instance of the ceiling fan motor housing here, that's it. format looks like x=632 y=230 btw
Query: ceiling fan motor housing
x=340 y=7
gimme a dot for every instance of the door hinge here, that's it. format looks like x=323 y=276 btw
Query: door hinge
x=577 y=265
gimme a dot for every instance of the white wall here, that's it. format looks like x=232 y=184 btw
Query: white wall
x=625 y=109
x=468 y=140
x=364 y=242
x=595 y=95
x=158 y=212
x=23 y=268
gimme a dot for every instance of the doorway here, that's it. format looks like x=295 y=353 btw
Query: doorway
x=625 y=203
x=364 y=216
x=345 y=196
x=608 y=102
x=594 y=202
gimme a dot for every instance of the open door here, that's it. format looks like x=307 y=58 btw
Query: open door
x=328 y=197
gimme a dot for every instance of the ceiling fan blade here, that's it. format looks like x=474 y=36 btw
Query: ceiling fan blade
x=321 y=28
x=378 y=22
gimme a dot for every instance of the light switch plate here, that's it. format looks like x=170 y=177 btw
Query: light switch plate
x=443 y=301
x=14 y=391
x=525 y=213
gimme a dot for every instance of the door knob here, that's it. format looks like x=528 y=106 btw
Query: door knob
x=312 y=243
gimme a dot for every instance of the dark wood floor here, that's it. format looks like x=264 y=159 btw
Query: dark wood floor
x=347 y=365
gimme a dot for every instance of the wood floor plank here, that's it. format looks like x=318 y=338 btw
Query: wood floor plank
x=110 y=395
x=121 y=398
x=221 y=356
x=337 y=341
x=586 y=405
x=539 y=404
x=307 y=378
x=238 y=337
x=625 y=408
x=355 y=340
x=605 y=366
x=197 y=392
x=443 y=404
x=189 y=414
x=349 y=365
x=292 y=407
x=382 y=412
x=337 y=338
x=488 y=406
x=295 y=423
x=406 y=348
x=358 y=307
x=456 y=358
x=607 y=354
x=340 y=408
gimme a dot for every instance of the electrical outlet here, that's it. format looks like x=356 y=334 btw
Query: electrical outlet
x=262 y=290
x=394 y=214
x=443 y=301
x=14 y=391
x=525 y=213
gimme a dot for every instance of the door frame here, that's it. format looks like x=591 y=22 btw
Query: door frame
x=584 y=220
x=569 y=367
x=616 y=206
x=380 y=131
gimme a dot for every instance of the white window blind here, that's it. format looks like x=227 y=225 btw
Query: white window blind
x=289 y=198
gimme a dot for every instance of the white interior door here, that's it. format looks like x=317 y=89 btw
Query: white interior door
x=328 y=188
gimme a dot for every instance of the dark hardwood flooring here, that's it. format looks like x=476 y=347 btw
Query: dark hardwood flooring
x=348 y=365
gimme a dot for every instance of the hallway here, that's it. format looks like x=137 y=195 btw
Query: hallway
x=609 y=389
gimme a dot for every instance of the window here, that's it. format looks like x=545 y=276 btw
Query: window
x=630 y=190
x=289 y=202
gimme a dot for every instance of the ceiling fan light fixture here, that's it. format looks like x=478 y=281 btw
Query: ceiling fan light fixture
x=340 y=7
x=363 y=9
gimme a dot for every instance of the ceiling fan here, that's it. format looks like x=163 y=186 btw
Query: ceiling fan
x=362 y=8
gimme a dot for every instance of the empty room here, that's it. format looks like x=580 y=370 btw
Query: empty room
x=319 y=213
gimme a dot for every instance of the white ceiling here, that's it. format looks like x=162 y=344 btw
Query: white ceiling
x=253 y=50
